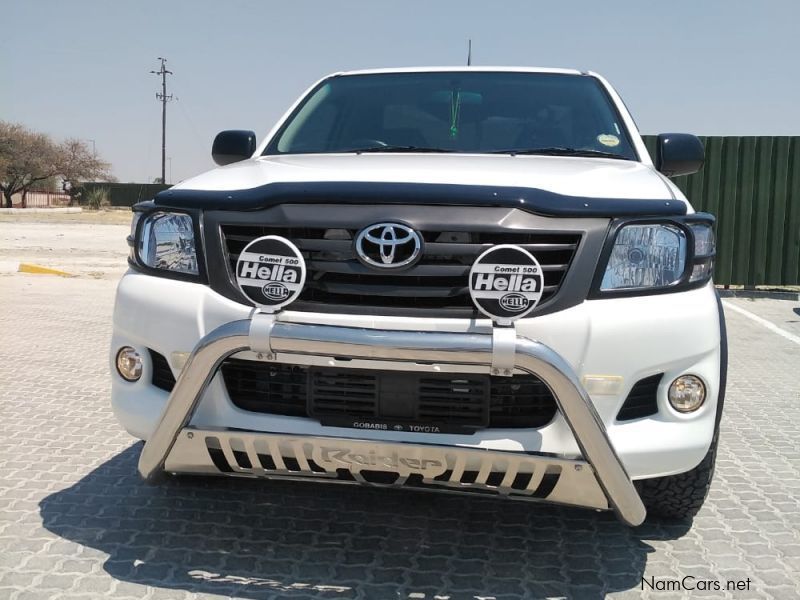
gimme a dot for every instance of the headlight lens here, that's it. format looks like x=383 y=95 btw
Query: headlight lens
x=134 y=222
x=645 y=256
x=167 y=242
x=705 y=246
x=704 y=241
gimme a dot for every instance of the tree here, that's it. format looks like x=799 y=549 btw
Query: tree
x=28 y=158
x=76 y=163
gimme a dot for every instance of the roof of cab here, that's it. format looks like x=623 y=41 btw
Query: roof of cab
x=464 y=69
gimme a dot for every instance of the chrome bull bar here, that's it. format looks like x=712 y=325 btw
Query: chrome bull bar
x=262 y=333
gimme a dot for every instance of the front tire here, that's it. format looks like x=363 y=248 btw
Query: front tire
x=681 y=496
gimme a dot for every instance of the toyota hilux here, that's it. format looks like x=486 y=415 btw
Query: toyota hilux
x=471 y=280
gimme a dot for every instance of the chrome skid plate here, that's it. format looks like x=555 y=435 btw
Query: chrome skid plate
x=456 y=469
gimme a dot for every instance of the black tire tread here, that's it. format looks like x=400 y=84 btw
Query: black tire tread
x=681 y=496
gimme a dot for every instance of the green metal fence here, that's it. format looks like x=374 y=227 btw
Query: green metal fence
x=126 y=194
x=752 y=186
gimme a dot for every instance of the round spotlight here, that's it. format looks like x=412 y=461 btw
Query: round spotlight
x=129 y=364
x=687 y=393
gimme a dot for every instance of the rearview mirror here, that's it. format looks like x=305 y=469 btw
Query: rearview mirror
x=232 y=146
x=679 y=154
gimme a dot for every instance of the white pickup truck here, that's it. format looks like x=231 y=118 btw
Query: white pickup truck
x=467 y=280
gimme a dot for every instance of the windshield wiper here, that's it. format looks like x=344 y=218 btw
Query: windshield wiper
x=561 y=151
x=390 y=148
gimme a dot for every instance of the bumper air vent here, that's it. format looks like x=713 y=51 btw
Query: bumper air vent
x=642 y=401
x=162 y=374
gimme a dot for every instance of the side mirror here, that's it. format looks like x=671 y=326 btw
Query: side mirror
x=232 y=146
x=679 y=154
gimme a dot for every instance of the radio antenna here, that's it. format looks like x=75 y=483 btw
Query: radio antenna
x=469 y=53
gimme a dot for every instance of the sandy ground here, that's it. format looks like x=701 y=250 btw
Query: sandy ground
x=110 y=217
x=91 y=247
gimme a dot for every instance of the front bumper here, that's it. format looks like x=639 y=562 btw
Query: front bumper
x=173 y=439
x=629 y=338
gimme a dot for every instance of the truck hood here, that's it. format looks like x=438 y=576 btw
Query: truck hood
x=570 y=176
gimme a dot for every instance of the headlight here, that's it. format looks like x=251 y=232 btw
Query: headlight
x=137 y=216
x=134 y=222
x=705 y=247
x=645 y=256
x=167 y=242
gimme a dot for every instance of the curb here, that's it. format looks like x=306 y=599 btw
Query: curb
x=40 y=270
x=755 y=294
x=23 y=211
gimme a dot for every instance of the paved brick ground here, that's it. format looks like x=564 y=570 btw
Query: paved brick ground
x=785 y=314
x=75 y=522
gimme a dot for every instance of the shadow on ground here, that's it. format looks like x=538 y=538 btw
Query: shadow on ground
x=256 y=539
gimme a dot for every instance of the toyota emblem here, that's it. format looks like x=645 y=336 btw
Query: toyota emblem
x=388 y=245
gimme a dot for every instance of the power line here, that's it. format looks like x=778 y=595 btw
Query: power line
x=181 y=104
x=164 y=98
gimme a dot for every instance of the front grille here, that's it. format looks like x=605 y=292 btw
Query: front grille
x=276 y=389
x=336 y=280
x=337 y=396
x=518 y=398
x=453 y=399
x=332 y=392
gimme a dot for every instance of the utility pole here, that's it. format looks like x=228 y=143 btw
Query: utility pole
x=164 y=98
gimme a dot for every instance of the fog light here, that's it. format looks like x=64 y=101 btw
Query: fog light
x=687 y=393
x=129 y=364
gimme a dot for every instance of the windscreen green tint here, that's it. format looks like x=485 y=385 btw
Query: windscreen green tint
x=471 y=112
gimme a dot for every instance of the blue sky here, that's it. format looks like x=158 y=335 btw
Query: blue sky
x=81 y=68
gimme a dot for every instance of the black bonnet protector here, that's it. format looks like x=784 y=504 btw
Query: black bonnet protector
x=533 y=200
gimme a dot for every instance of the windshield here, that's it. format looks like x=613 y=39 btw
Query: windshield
x=471 y=112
